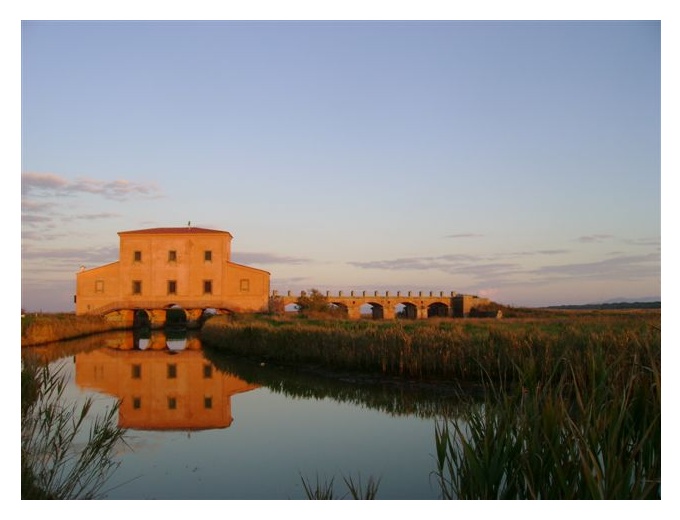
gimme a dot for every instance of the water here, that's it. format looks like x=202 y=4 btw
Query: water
x=203 y=426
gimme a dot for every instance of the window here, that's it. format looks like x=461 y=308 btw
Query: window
x=172 y=371
x=136 y=403
x=136 y=287
x=136 y=371
x=207 y=286
x=172 y=286
x=172 y=403
x=245 y=285
x=207 y=371
x=207 y=402
x=138 y=256
x=99 y=286
x=172 y=256
x=207 y=256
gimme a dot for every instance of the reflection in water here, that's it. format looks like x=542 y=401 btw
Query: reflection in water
x=298 y=424
x=168 y=385
x=389 y=395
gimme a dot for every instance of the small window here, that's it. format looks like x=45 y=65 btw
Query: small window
x=207 y=256
x=172 y=371
x=172 y=256
x=138 y=256
x=207 y=371
x=136 y=403
x=172 y=286
x=99 y=286
x=136 y=371
x=245 y=285
x=172 y=403
x=136 y=287
x=207 y=402
x=207 y=286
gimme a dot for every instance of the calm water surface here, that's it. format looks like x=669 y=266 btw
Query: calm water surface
x=203 y=426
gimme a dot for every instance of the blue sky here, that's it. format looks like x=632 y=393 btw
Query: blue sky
x=520 y=161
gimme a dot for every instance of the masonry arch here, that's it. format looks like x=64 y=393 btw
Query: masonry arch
x=175 y=316
x=141 y=320
x=339 y=309
x=377 y=311
x=437 y=310
x=406 y=310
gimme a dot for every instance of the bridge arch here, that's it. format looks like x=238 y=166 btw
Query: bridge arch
x=438 y=310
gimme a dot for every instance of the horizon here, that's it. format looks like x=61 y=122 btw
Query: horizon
x=514 y=160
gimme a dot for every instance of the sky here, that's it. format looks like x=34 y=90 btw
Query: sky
x=515 y=160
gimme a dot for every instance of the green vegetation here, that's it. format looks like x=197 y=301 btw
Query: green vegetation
x=326 y=490
x=54 y=463
x=446 y=349
x=588 y=431
x=572 y=400
x=39 y=329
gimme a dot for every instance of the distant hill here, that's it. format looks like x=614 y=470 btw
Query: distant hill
x=611 y=305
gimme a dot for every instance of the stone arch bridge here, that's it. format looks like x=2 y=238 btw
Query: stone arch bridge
x=415 y=305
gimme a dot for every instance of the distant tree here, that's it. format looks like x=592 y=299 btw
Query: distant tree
x=276 y=305
x=313 y=303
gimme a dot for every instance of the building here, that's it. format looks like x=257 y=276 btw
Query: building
x=163 y=268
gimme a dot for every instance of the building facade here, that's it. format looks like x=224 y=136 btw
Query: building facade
x=161 y=268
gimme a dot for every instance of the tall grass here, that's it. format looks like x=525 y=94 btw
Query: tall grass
x=40 y=329
x=356 y=490
x=460 y=350
x=589 y=432
x=55 y=464
x=572 y=408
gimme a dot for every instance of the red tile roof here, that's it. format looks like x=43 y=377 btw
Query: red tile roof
x=172 y=231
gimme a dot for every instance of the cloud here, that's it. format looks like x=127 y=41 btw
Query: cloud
x=623 y=267
x=464 y=235
x=69 y=257
x=594 y=238
x=267 y=258
x=48 y=184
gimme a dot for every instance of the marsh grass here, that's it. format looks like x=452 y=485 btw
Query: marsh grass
x=590 y=432
x=356 y=490
x=39 y=329
x=55 y=461
x=571 y=409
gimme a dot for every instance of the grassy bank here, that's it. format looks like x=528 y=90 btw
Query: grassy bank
x=462 y=350
x=572 y=405
x=39 y=329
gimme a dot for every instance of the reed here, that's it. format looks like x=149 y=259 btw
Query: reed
x=571 y=409
x=40 y=329
x=453 y=350
x=55 y=462
x=356 y=490
x=589 y=432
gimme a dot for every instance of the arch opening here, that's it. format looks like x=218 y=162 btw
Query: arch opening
x=141 y=319
x=437 y=310
x=406 y=311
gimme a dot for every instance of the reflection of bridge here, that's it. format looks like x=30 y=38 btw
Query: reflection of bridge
x=409 y=305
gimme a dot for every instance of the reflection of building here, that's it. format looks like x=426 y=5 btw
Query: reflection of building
x=164 y=267
x=162 y=389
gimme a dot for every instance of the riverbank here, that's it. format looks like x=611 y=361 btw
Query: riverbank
x=466 y=351
x=40 y=329
x=571 y=407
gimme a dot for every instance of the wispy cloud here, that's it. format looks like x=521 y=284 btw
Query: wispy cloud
x=586 y=239
x=48 y=184
x=71 y=256
x=464 y=235
x=502 y=270
x=623 y=267
x=267 y=258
